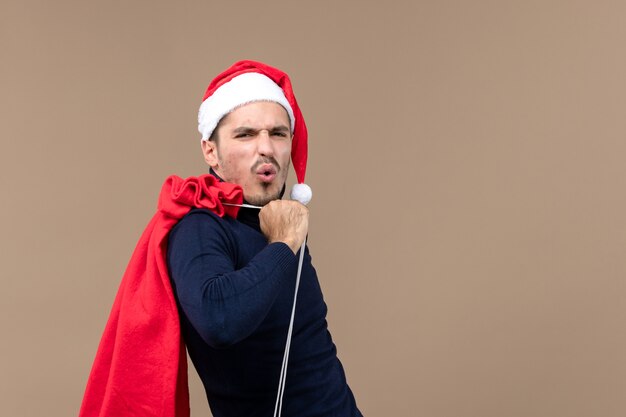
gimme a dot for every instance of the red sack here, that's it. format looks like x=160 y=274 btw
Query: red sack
x=140 y=368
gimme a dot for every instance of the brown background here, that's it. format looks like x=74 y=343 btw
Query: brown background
x=467 y=160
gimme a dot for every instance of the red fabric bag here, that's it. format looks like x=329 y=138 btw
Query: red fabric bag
x=140 y=368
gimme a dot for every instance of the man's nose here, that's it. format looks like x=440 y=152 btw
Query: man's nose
x=265 y=145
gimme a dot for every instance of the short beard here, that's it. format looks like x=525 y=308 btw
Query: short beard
x=261 y=200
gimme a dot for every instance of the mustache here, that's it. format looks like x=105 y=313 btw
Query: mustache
x=265 y=160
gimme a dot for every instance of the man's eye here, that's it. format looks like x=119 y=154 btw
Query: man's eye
x=243 y=135
x=281 y=134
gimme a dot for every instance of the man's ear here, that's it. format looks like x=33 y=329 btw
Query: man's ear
x=209 y=150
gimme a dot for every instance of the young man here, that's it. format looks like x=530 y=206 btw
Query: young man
x=234 y=278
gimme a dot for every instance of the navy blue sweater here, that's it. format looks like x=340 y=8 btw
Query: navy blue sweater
x=235 y=294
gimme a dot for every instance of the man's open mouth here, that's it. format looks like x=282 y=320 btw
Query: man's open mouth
x=266 y=172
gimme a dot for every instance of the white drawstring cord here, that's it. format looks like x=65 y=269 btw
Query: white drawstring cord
x=283 y=371
x=242 y=205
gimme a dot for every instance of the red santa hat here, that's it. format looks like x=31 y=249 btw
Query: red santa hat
x=249 y=81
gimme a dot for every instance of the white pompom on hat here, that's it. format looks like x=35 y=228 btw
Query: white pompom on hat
x=250 y=81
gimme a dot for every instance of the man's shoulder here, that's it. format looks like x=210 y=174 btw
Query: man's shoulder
x=201 y=215
x=200 y=220
x=201 y=231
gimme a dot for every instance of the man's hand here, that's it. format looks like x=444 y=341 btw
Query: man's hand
x=285 y=221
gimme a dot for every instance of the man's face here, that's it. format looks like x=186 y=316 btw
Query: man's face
x=252 y=149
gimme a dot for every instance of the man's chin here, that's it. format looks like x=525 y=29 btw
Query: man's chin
x=262 y=198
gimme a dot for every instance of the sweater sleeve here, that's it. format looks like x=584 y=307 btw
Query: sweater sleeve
x=224 y=304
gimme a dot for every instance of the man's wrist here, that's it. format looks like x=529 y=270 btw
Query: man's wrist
x=293 y=245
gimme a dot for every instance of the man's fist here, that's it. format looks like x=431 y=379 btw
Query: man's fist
x=285 y=221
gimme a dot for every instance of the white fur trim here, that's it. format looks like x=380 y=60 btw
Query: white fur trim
x=243 y=89
x=301 y=193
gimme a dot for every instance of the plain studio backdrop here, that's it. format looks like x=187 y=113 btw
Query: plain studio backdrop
x=468 y=164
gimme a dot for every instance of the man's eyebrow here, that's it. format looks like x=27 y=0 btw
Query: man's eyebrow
x=244 y=129
x=247 y=129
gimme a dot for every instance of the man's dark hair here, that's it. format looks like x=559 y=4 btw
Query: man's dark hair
x=214 y=136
